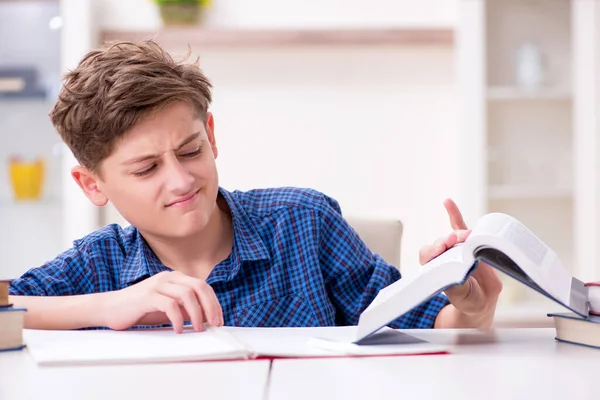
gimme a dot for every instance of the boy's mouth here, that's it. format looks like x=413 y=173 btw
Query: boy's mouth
x=183 y=199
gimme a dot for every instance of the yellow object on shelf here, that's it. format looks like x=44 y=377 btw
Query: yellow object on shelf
x=27 y=179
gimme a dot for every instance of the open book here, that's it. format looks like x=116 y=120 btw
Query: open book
x=502 y=242
x=224 y=343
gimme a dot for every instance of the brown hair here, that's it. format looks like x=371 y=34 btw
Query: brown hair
x=114 y=87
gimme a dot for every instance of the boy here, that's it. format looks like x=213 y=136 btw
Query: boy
x=138 y=124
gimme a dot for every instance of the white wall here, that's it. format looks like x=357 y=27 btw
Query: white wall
x=373 y=127
x=78 y=35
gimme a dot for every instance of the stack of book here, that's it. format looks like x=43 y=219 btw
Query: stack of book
x=11 y=321
x=572 y=328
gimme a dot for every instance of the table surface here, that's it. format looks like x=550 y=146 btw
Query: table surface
x=21 y=378
x=503 y=364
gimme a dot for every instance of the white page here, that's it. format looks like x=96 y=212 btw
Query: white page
x=527 y=250
x=285 y=342
x=149 y=345
x=453 y=255
x=324 y=341
x=403 y=295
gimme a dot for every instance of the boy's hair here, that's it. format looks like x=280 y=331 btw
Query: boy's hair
x=114 y=87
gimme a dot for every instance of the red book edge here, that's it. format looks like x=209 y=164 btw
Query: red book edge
x=273 y=358
x=594 y=284
x=350 y=356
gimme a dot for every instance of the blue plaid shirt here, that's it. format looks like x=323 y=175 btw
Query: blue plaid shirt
x=295 y=262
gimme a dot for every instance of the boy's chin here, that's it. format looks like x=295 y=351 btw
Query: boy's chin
x=177 y=227
x=184 y=232
x=184 y=228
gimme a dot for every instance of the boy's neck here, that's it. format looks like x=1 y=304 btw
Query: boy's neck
x=197 y=255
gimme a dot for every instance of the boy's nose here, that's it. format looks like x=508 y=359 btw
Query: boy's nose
x=178 y=180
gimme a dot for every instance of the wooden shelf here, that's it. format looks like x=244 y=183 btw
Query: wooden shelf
x=504 y=93
x=199 y=37
x=30 y=1
x=498 y=192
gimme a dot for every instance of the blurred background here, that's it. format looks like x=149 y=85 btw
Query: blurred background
x=389 y=106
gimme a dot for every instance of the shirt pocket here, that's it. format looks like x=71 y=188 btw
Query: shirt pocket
x=288 y=311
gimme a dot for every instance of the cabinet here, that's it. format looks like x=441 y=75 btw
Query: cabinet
x=30 y=231
x=528 y=89
x=34 y=37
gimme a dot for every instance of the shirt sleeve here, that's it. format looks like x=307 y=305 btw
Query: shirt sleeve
x=354 y=275
x=67 y=274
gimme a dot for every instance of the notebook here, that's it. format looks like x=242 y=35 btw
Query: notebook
x=224 y=343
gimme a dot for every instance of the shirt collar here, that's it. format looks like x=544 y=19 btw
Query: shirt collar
x=141 y=262
x=247 y=243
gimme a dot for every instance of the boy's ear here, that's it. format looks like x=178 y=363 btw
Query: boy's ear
x=88 y=182
x=210 y=132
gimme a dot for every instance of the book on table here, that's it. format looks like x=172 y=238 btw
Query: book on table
x=574 y=329
x=594 y=297
x=216 y=343
x=11 y=321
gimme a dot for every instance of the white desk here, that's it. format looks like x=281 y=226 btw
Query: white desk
x=510 y=364
x=21 y=378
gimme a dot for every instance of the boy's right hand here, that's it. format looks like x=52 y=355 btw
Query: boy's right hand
x=165 y=297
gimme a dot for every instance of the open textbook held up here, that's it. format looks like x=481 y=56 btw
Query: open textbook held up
x=502 y=242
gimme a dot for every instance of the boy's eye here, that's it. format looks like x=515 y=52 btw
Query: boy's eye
x=192 y=153
x=145 y=171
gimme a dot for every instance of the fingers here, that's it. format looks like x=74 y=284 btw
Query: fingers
x=169 y=306
x=462 y=235
x=428 y=253
x=444 y=243
x=220 y=321
x=205 y=296
x=456 y=219
x=185 y=296
x=459 y=293
x=211 y=305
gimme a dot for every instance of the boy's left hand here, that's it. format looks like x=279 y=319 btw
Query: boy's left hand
x=476 y=299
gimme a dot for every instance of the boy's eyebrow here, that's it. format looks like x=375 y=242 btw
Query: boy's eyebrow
x=187 y=140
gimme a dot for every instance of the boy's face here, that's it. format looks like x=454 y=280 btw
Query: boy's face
x=161 y=176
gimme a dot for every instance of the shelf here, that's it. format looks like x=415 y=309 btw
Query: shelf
x=506 y=93
x=200 y=37
x=44 y=203
x=38 y=96
x=497 y=192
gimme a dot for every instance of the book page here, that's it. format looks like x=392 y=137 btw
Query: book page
x=516 y=233
x=535 y=259
x=115 y=347
x=529 y=244
x=400 y=297
x=453 y=255
x=327 y=342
